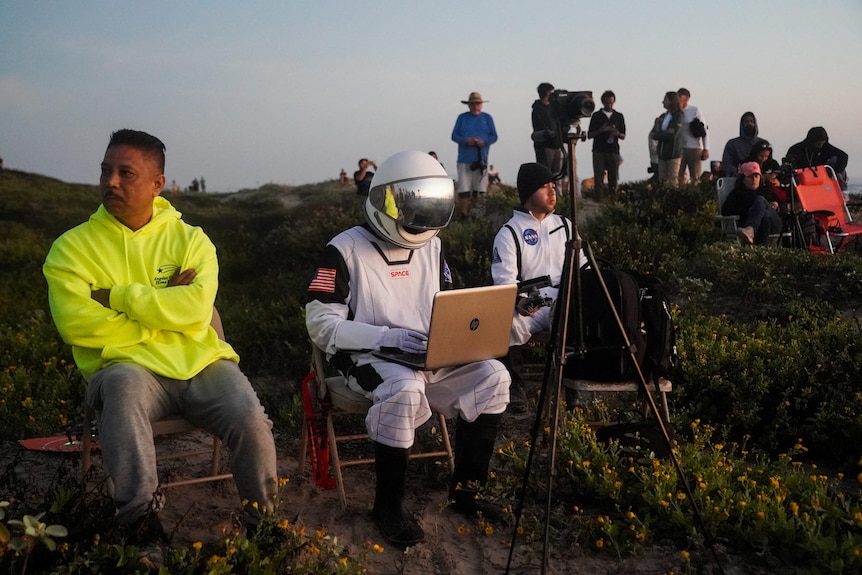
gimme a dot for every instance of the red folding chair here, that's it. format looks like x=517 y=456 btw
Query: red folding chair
x=819 y=194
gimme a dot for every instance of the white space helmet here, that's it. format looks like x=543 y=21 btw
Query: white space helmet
x=411 y=199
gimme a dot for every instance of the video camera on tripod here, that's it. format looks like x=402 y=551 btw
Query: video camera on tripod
x=570 y=107
x=531 y=288
x=785 y=172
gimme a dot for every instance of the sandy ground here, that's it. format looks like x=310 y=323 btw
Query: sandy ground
x=453 y=544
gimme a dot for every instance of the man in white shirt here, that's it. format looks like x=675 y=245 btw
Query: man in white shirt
x=695 y=148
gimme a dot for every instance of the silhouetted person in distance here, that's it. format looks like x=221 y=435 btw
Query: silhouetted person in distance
x=547 y=142
x=433 y=154
x=607 y=128
x=362 y=176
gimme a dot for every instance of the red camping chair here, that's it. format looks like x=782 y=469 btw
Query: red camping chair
x=819 y=194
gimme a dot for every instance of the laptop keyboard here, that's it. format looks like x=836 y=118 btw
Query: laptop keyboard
x=409 y=357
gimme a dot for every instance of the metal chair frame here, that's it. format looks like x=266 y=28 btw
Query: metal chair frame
x=170 y=425
x=345 y=401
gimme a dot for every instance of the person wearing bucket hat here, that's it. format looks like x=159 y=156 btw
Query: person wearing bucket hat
x=531 y=245
x=757 y=218
x=474 y=132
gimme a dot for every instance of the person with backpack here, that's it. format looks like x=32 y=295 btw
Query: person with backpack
x=695 y=139
x=531 y=245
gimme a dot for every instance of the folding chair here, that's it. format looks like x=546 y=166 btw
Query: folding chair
x=582 y=385
x=723 y=186
x=173 y=424
x=331 y=398
x=730 y=224
x=818 y=193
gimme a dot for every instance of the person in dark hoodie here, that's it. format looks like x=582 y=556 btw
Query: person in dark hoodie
x=815 y=150
x=737 y=150
x=546 y=131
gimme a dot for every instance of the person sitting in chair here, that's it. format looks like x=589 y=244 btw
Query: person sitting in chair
x=132 y=291
x=770 y=186
x=532 y=244
x=374 y=289
x=815 y=150
x=757 y=218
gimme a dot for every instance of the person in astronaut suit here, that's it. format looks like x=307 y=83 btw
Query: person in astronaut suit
x=374 y=289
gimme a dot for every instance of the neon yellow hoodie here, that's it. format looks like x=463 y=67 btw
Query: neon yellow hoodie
x=166 y=330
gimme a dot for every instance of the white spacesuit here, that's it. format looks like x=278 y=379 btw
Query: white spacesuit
x=375 y=288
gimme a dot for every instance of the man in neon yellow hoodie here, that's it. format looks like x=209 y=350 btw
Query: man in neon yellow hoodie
x=132 y=291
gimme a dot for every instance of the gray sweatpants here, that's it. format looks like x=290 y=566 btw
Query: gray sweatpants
x=219 y=399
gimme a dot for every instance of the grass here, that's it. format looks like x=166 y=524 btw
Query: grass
x=765 y=396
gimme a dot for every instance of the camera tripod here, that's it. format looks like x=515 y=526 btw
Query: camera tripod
x=559 y=350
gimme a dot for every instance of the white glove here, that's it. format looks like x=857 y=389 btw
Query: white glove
x=404 y=339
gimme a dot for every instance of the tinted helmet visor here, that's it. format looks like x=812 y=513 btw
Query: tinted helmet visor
x=417 y=204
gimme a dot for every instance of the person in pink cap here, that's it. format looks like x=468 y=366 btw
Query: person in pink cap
x=757 y=218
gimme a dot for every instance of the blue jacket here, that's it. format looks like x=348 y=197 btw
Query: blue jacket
x=469 y=126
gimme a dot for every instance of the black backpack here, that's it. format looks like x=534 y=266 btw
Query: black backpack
x=658 y=328
x=642 y=304
x=698 y=129
x=602 y=354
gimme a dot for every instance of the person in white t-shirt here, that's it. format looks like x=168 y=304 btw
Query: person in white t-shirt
x=695 y=148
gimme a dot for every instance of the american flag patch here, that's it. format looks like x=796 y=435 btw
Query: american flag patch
x=324 y=280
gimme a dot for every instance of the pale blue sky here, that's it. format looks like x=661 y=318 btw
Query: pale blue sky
x=246 y=93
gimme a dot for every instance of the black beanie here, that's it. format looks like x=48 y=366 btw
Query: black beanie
x=531 y=177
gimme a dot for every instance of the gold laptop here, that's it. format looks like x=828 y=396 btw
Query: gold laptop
x=467 y=325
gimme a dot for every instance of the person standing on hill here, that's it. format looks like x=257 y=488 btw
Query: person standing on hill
x=737 y=150
x=474 y=132
x=547 y=142
x=362 y=176
x=695 y=146
x=132 y=291
x=667 y=132
x=607 y=128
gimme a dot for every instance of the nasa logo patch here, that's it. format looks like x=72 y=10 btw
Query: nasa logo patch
x=531 y=237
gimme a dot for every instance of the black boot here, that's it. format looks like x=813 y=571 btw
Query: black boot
x=514 y=363
x=474 y=446
x=396 y=524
